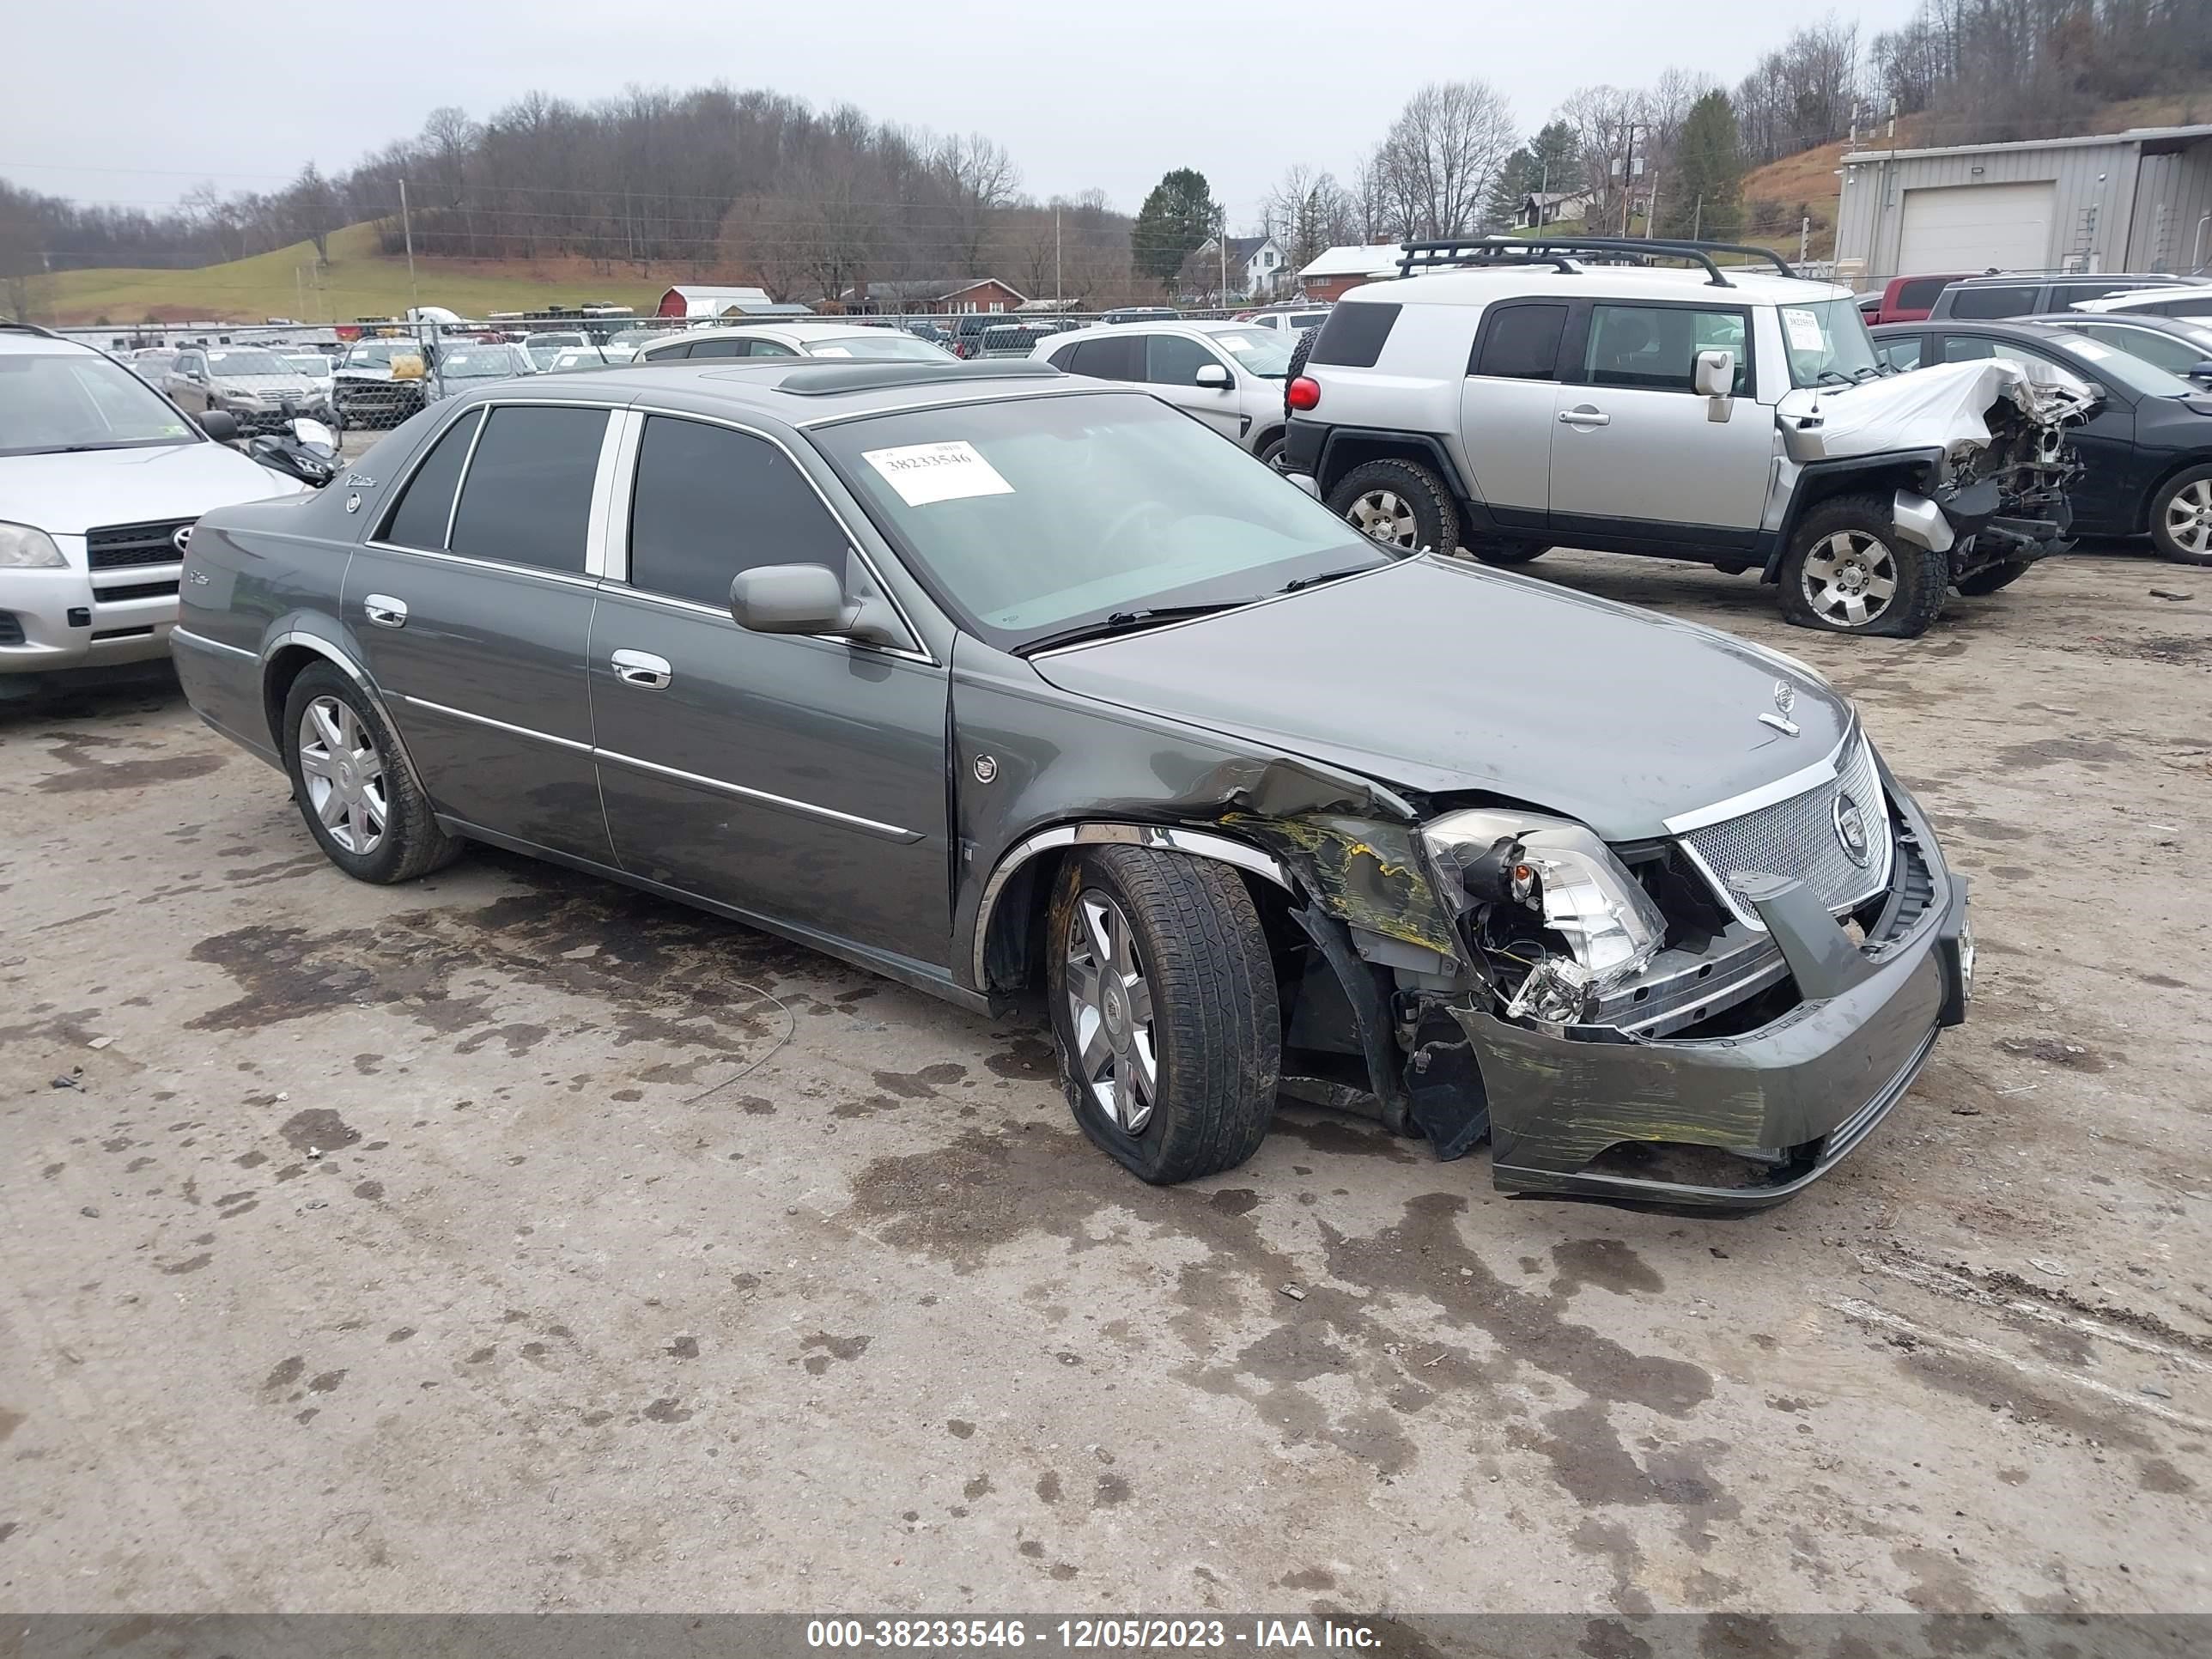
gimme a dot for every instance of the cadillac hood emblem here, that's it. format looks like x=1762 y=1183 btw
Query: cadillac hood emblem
x=1851 y=832
x=1785 y=699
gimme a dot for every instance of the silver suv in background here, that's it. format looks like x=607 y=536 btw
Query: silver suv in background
x=1228 y=376
x=1514 y=395
x=254 y=386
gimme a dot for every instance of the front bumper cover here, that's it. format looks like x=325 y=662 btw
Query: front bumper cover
x=1796 y=1094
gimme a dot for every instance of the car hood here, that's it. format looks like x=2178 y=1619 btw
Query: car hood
x=272 y=385
x=1931 y=408
x=67 y=495
x=1439 y=677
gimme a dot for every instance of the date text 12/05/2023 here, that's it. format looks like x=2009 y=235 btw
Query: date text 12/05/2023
x=1092 y=1634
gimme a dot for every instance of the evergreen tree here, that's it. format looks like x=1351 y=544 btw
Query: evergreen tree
x=1176 y=217
x=1704 y=197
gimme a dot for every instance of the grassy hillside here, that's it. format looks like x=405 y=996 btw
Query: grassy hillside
x=360 y=281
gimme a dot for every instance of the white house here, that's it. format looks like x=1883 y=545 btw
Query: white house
x=1255 y=267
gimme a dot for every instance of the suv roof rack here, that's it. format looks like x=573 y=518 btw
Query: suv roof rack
x=1555 y=251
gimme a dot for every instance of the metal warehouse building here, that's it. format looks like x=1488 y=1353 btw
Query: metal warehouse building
x=2139 y=200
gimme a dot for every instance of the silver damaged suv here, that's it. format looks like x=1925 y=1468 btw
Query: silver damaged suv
x=1506 y=396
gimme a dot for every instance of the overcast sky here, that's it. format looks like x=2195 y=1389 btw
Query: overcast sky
x=137 y=101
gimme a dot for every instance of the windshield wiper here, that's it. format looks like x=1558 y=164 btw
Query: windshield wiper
x=1122 y=621
x=1303 y=582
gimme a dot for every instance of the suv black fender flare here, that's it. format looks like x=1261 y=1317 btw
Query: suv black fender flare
x=1818 y=480
x=1343 y=448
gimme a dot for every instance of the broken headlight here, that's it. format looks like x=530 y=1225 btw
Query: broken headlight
x=1542 y=882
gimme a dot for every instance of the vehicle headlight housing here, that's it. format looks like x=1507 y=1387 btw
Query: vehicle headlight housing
x=1563 y=873
x=23 y=548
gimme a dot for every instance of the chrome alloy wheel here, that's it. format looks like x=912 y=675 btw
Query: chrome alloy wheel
x=2189 y=518
x=1110 y=1005
x=343 y=775
x=1386 y=516
x=1850 y=578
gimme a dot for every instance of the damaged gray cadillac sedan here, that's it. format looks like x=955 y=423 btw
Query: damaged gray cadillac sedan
x=1010 y=686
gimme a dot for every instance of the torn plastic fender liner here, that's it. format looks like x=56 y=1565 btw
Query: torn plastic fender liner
x=1560 y=1096
x=1365 y=872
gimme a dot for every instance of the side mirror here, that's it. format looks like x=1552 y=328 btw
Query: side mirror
x=219 y=424
x=806 y=598
x=2201 y=371
x=1213 y=377
x=1714 y=374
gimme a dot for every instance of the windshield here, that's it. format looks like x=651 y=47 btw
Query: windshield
x=378 y=354
x=878 y=344
x=315 y=366
x=2123 y=369
x=1262 y=351
x=1038 y=515
x=633 y=338
x=235 y=365
x=84 y=401
x=479 y=363
x=1827 y=343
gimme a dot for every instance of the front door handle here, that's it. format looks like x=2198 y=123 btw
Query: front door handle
x=1584 y=415
x=385 y=611
x=642 y=668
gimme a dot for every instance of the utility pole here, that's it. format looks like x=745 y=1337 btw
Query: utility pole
x=1697 y=219
x=1221 y=295
x=1055 y=257
x=407 y=230
x=299 y=295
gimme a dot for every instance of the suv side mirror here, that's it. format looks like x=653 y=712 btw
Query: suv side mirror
x=1212 y=376
x=2201 y=371
x=1714 y=374
x=219 y=424
x=806 y=598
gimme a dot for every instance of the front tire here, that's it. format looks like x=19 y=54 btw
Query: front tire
x=2181 y=517
x=354 y=791
x=1400 y=504
x=1848 y=571
x=1164 y=1011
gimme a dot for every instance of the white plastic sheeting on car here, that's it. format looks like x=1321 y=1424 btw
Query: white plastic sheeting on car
x=1935 y=407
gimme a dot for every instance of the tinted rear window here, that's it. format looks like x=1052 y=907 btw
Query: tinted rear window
x=1352 y=336
x=528 y=494
x=1119 y=358
x=1521 y=343
x=420 y=520
x=1994 y=301
x=1920 y=293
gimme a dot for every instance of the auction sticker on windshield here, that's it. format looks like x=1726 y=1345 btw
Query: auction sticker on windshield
x=923 y=473
x=1803 y=329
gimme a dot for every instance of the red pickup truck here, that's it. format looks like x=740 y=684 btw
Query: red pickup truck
x=1909 y=298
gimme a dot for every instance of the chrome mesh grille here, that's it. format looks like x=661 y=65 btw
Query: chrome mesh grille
x=1798 y=838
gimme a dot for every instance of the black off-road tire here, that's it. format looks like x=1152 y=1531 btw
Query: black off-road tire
x=1432 y=515
x=1301 y=348
x=1990 y=578
x=1922 y=578
x=1216 y=1024
x=1508 y=553
x=412 y=844
x=2189 y=478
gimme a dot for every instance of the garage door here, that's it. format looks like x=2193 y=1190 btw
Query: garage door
x=1978 y=228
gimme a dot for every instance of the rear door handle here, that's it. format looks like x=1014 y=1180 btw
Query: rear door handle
x=385 y=611
x=1584 y=415
x=642 y=668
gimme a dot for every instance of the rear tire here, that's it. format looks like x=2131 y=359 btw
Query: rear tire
x=1401 y=504
x=355 y=790
x=2181 y=517
x=1848 y=571
x=1164 y=1011
x=1990 y=578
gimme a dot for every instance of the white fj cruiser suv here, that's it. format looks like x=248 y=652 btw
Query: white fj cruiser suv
x=1506 y=396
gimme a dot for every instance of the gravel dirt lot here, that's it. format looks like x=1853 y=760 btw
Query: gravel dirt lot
x=514 y=1242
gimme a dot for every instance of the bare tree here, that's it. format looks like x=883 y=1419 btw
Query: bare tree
x=1307 y=211
x=1441 y=156
x=982 y=178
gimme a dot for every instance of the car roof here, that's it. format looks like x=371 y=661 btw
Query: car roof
x=2145 y=319
x=1145 y=325
x=29 y=340
x=2062 y=278
x=1480 y=285
x=2127 y=299
x=819 y=393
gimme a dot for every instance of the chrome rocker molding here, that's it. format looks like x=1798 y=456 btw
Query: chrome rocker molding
x=1193 y=843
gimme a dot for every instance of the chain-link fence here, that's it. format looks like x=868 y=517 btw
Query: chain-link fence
x=373 y=374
